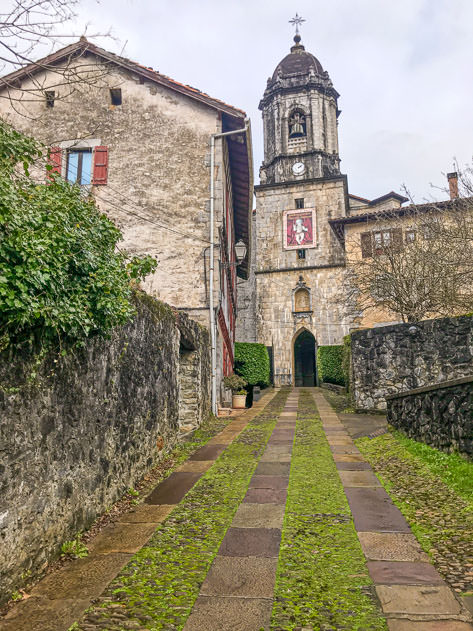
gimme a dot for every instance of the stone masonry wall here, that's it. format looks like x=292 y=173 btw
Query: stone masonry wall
x=441 y=416
x=278 y=271
x=393 y=359
x=246 y=296
x=89 y=428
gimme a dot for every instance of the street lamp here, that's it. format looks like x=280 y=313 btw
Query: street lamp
x=240 y=251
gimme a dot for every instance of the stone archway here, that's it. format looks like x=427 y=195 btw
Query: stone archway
x=304 y=359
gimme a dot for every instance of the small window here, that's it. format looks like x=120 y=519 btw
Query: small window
x=50 y=96
x=300 y=202
x=79 y=166
x=410 y=236
x=116 y=96
x=301 y=254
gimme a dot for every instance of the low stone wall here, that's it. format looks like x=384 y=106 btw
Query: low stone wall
x=392 y=359
x=89 y=426
x=440 y=415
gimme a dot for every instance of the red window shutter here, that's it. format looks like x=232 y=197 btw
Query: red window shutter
x=55 y=159
x=100 y=173
x=366 y=245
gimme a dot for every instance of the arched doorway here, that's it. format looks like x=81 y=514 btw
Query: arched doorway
x=304 y=359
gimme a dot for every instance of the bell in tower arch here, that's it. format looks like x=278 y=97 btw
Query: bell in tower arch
x=297 y=125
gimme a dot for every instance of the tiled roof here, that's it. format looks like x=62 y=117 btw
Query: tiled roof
x=147 y=72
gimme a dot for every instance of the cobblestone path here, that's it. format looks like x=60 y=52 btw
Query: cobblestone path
x=276 y=524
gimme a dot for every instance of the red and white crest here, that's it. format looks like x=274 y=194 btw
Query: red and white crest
x=299 y=230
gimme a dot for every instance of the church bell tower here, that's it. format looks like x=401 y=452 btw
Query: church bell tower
x=300 y=115
x=299 y=262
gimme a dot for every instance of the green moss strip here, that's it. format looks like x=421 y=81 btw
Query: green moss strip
x=159 y=586
x=322 y=580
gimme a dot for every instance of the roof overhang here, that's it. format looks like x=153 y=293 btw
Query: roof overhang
x=241 y=170
x=338 y=225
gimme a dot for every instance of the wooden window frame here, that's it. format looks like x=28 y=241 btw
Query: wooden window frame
x=80 y=153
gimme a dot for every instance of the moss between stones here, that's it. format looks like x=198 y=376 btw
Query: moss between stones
x=322 y=580
x=438 y=515
x=158 y=588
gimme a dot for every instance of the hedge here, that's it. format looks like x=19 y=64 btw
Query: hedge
x=252 y=363
x=346 y=361
x=330 y=364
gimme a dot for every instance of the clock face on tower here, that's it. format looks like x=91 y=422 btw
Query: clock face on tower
x=298 y=168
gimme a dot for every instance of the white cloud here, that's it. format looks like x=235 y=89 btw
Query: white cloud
x=403 y=70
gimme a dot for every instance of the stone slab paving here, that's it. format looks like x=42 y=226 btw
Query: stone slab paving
x=412 y=594
x=238 y=591
x=61 y=598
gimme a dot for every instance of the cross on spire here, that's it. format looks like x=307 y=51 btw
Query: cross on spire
x=297 y=21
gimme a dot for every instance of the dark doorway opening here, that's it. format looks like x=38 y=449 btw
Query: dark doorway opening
x=304 y=359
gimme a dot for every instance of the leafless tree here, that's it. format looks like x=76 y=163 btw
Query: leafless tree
x=414 y=264
x=32 y=29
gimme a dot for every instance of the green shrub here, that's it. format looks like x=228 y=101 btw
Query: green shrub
x=329 y=364
x=62 y=277
x=252 y=363
x=346 y=362
x=235 y=383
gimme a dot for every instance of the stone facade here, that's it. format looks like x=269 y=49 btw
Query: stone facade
x=440 y=415
x=300 y=172
x=157 y=184
x=394 y=359
x=90 y=427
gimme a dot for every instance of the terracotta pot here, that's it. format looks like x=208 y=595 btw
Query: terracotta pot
x=238 y=401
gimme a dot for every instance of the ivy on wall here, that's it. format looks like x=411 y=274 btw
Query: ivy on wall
x=62 y=277
x=330 y=364
x=252 y=363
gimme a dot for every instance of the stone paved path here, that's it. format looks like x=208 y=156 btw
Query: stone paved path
x=413 y=595
x=237 y=593
x=240 y=584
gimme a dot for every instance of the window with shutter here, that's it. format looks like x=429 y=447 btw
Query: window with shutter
x=55 y=159
x=366 y=245
x=100 y=173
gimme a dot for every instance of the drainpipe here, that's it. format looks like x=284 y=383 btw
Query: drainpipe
x=213 y=332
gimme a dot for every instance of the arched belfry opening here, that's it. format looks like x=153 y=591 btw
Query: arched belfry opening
x=297 y=124
x=304 y=359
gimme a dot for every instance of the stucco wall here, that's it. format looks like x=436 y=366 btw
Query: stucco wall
x=87 y=429
x=393 y=359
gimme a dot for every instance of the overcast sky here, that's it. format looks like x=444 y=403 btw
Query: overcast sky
x=404 y=71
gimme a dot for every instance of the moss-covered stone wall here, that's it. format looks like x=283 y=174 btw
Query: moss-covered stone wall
x=88 y=426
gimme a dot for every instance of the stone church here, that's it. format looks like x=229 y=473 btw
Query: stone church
x=289 y=301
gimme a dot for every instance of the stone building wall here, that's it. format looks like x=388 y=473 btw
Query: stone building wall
x=278 y=271
x=90 y=427
x=393 y=359
x=440 y=415
x=277 y=325
x=158 y=168
x=246 y=296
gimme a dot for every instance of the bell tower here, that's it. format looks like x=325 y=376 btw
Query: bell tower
x=298 y=260
x=300 y=115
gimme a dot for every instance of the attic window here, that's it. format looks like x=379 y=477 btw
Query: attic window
x=50 y=96
x=116 y=96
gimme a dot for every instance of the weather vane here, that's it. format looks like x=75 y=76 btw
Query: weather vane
x=297 y=21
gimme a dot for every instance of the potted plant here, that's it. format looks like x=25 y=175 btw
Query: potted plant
x=237 y=385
